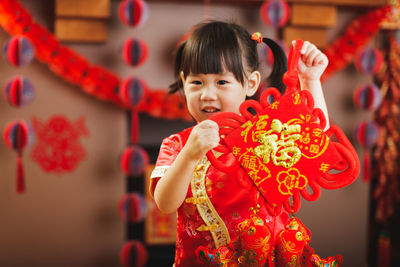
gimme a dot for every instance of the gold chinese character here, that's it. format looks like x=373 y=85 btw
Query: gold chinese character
x=314 y=148
x=247 y=127
x=317 y=132
x=324 y=167
x=236 y=150
x=278 y=144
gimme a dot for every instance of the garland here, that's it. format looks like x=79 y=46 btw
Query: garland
x=342 y=51
x=74 y=68
x=104 y=84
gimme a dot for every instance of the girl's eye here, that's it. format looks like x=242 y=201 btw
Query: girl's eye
x=195 y=82
x=222 y=82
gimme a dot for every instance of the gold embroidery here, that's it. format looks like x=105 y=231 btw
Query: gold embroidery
x=290 y=180
x=210 y=228
x=297 y=99
x=195 y=200
x=280 y=148
x=212 y=220
x=313 y=139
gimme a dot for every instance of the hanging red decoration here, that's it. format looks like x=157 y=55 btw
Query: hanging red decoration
x=254 y=246
x=18 y=91
x=283 y=149
x=132 y=207
x=134 y=160
x=17 y=136
x=368 y=60
x=58 y=148
x=133 y=254
x=134 y=52
x=74 y=68
x=367 y=97
x=367 y=134
x=18 y=51
x=357 y=35
x=275 y=13
x=133 y=13
x=132 y=91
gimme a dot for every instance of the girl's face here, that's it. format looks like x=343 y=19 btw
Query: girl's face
x=208 y=94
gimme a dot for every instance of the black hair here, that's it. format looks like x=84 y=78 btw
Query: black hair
x=214 y=45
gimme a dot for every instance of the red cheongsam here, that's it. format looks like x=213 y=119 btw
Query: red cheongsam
x=215 y=203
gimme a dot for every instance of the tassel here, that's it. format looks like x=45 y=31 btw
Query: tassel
x=20 y=176
x=366 y=167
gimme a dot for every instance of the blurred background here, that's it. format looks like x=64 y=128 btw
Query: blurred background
x=70 y=217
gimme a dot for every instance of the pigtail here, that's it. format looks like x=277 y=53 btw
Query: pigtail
x=174 y=87
x=279 y=67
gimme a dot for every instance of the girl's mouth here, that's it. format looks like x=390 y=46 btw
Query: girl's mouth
x=210 y=110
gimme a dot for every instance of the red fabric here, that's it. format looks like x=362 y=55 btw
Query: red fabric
x=230 y=200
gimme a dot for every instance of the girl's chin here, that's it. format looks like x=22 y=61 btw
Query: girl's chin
x=210 y=114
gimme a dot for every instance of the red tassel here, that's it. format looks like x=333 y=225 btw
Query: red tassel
x=134 y=126
x=366 y=167
x=20 y=176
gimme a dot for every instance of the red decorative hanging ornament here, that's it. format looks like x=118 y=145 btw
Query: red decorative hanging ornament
x=132 y=207
x=275 y=13
x=58 y=148
x=18 y=91
x=134 y=160
x=133 y=254
x=367 y=134
x=255 y=246
x=369 y=60
x=133 y=13
x=134 y=52
x=283 y=149
x=17 y=136
x=367 y=97
x=132 y=92
x=18 y=51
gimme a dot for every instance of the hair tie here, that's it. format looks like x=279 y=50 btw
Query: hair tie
x=257 y=37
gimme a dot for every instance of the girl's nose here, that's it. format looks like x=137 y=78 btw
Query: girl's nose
x=209 y=93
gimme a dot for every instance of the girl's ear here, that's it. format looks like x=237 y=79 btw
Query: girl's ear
x=182 y=76
x=253 y=83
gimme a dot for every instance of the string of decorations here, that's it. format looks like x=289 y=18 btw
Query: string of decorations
x=74 y=68
x=18 y=91
x=134 y=159
x=357 y=35
x=368 y=97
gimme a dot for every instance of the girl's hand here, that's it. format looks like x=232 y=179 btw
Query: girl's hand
x=312 y=62
x=204 y=136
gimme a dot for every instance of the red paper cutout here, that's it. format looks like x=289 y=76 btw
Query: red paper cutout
x=284 y=148
x=58 y=148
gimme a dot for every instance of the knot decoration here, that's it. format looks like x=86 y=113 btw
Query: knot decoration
x=283 y=149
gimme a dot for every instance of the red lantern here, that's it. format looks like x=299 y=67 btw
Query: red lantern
x=18 y=91
x=17 y=136
x=134 y=52
x=18 y=51
x=134 y=160
x=369 y=61
x=133 y=13
x=275 y=13
x=132 y=207
x=133 y=254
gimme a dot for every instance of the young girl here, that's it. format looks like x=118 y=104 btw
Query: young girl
x=217 y=68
